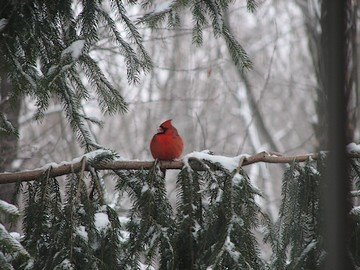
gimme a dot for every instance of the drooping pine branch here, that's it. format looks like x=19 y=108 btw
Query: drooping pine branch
x=151 y=224
x=214 y=225
x=44 y=50
x=204 y=12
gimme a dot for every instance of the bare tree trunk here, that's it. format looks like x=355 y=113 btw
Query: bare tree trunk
x=311 y=11
x=8 y=143
x=336 y=181
x=351 y=75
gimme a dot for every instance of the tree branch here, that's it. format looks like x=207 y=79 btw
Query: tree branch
x=77 y=164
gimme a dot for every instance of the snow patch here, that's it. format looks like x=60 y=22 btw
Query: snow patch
x=53 y=165
x=214 y=186
x=237 y=179
x=90 y=155
x=310 y=246
x=145 y=188
x=229 y=163
x=3 y=23
x=75 y=49
x=219 y=196
x=52 y=69
x=237 y=220
x=164 y=7
x=101 y=221
x=66 y=264
x=355 y=211
x=230 y=248
x=82 y=232
x=27 y=76
x=9 y=208
x=125 y=235
x=314 y=171
x=118 y=158
x=16 y=245
x=124 y=220
x=16 y=235
x=93 y=154
x=15 y=165
x=37 y=67
x=196 y=229
x=353 y=148
x=154 y=239
x=146 y=267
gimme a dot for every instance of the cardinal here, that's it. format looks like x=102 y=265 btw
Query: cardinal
x=166 y=143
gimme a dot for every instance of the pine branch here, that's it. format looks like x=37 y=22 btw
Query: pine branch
x=64 y=168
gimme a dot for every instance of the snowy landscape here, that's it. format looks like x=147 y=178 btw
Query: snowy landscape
x=84 y=87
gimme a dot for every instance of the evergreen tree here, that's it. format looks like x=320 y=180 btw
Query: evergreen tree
x=45 y=49
x=297 y=239
x=45 y=52
x=213 y=225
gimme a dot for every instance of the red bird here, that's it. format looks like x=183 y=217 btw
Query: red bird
x=166 y=143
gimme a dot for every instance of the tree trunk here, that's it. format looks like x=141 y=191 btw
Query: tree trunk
x=336 y=181
x=312 y=25
x=351 y=75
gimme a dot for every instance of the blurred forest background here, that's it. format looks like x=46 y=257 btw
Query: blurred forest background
x=275 y=106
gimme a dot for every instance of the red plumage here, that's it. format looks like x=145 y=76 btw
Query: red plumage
x=167 y=143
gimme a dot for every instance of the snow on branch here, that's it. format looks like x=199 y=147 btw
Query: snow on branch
x=106 y=160
x=9 y=209
x=75 y=49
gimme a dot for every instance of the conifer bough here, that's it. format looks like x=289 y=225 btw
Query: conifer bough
x=88 y=162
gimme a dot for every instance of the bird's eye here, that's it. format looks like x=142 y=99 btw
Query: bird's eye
x=160 y=130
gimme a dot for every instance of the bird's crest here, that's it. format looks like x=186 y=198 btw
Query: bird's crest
x=167 y=124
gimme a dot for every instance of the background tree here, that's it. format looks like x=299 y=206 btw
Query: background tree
x=200 y=88
x=312 y=18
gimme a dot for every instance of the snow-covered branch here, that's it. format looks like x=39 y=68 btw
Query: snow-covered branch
x=85 y=162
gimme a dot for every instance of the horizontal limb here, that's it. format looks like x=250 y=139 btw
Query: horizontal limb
x=77 y=164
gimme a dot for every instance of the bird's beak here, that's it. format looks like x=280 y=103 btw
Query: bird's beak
x=160 y=130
